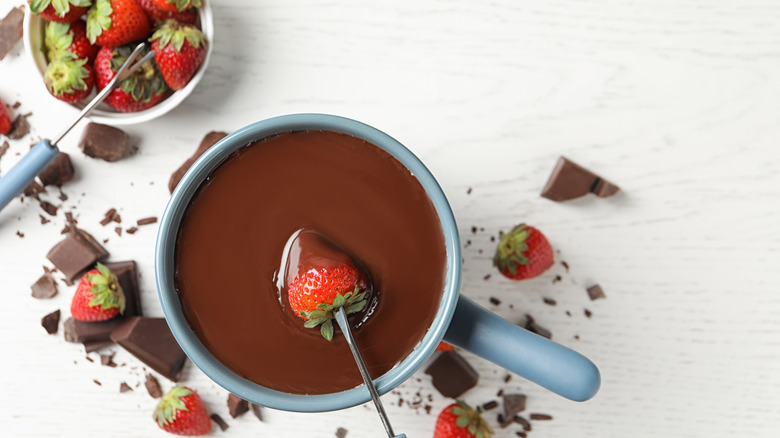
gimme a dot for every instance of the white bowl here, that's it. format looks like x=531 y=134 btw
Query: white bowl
x=34 y=27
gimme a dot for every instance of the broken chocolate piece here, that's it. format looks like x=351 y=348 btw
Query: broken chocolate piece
x=513 y=405
x=127 y=276
x=220 y=422
x=11 y=30
x=124 y=387
x=33 y=190
x=153 y=386
x=341 y=432
x=146 y=221
x=90 y=346
x=541 y=417
x=90 y=332
x=58 y=172
x=570 y=180
x=106 y=142
x=48 y=207
x=208 y=141
x=107 y=360
x=45 y=287
x=532 y=326
x=108 y=217
x=595 y=292
x=257 y=410
x=452 y=375
x=51 y=322
x=151 y=341
x=19 y=127
x=76 y=253
x=237 y=405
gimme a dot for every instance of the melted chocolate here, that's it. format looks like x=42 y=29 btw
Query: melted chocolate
x=233 y=236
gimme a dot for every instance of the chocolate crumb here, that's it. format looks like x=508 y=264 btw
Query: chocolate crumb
x=118 y=231
x=153 y=386
x=565 y=265
x=50 y=208
x=3 y=148
x=490 y=405
x=557 y=279
x=88 y=358
x=62 y=196
x=468 y=192
x=568 y=313
x=51 y=322
x=124 y=387
x=507 y=378
x=474 y=230
x=20 y=234
x=523 y=422
x=595 y=292
x=45 y=287
x=486 y=277
x=220 y=422
x=500 y=393
x=237 y=405
x=341 y=432
x=495 y=301
x=97 y=382
x=108 y=217
x=146 y=221
x=492 y=238
x=532 y=326
x=541 y=417
x=577 y=337
x=549 y=301
x=257 y=410
x=44 y=221
x=131 y=230
x=588 y=313
x=503 y=421
x=107 y=360
x=19 y=127
x=521 y=434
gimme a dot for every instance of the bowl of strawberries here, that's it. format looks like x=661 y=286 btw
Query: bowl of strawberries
x=77 y=46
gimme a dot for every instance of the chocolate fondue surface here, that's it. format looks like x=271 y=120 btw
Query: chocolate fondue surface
x=232 y=239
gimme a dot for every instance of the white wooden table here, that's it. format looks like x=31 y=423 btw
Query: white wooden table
x=677 y=101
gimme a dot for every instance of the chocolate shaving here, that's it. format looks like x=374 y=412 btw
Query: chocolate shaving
x=541 y=417
x=11 y=30
x=490 y=405
x=220 y=422
x=131 y=230
x=51 y=322
x=97 y=382
x=108 y=217
x=146 y=221
x=124 y=387
x=523 y=422
x=153 y=386
x=570 y=180
x=236 y=405
x=209 y=140
x=595 y=292
x=45 y=287
x=588 y=313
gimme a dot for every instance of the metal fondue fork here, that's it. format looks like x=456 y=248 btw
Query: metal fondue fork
x=341 y=319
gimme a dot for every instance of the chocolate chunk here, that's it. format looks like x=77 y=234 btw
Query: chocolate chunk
x=257 y=410
x=523 y=422
x=146 y=221
x=153 y=386
x=208 y=141
x=237 y=405
x=11 y=30
x=569 y=181
x=48 y=207
x=127 y=276
x=341 y=432
x=220 y=422
x=51 y=322
x=108 y=217
x=107 y=360
x=106 y=142
x=513 y=405
x=532 y=326
x=90 y=346
x=124 y=387
x=151 y=341
x=452 y=375
x=549 y=301
x=19 y=127
x=595 y=292
x=90 y=332
x=541 y=417
x=490 y=405
x=45 y=287
x=76 y=253
x=58 y=172
x=33 y=190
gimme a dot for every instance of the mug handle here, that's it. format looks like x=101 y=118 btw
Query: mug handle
x=538 y=359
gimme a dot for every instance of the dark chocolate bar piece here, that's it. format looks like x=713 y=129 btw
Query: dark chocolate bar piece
x=513 y=405
x=570 y=180
x=106 y=142
x=58 y=172
x=76 y=253
x=595 y=292
x=45 y=287
x=51 y=322
x=452 y=375
x=11 y=30
x=237 y=405
x=90 y=332
x=151 y=341
x=208 y=141
x=127 y=275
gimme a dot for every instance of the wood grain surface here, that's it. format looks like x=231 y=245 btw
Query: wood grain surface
x=676 y=101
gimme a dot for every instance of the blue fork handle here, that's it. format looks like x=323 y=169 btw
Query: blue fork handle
x=24 y=172
x=538 y=359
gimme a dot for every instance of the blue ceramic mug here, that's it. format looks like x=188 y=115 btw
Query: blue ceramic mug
x=459 y=320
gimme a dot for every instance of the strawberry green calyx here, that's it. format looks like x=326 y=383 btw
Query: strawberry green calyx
x=98 y=19
x=352 y=302
x=174 y=33
x=511 y=249
x=64 y=76
x=145 y=83
x=186 y=4
x=472 y=420
x=61 y=7
x=57 y=39
x=106 y=289
x=170 y=405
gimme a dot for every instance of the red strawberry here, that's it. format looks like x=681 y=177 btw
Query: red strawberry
x=144 y=89
x=62 y=11
x=177 y=5
x=5 y=120
x=459 y=420
x=63 y=39
x=182 y=412
x=69 y=80
x=523 y=253
x=179 y=49
x=443 y=346
x=156 y=14
x=98 y=296
x=116 y=22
